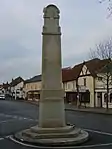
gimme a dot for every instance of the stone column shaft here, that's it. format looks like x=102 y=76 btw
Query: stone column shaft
x=51 y=107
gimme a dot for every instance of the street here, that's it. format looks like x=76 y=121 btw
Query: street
x=16 y=116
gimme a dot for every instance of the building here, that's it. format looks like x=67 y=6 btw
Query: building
x=5 y=90
x=17 y=88
x=83 y=84
x=101 y=85
x=90 y=81
x=32 y=88
x=69 y=79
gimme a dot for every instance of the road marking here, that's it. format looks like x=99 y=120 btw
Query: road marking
x=16 y=117
x=19 y=119
x=3 y=114
x=8 y=136
x=5 y=137
x=100 y=132
x=6 y=121
x=67 y=147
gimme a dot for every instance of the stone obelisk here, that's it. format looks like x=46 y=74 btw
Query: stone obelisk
x=52 y=129
x=51 y=106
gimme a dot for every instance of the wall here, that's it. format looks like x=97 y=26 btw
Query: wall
x=33 y=86
x=18 y=90
x=69 y=86
x=100 y=87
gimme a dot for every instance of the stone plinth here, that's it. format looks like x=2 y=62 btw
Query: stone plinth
x=63 y=136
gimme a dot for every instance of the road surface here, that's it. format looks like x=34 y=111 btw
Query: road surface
x=16 y=116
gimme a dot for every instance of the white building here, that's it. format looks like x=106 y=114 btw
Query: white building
x=17 y=88
x=91 y=86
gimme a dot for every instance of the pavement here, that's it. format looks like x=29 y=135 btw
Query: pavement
x=17 y=115
x=71 y=107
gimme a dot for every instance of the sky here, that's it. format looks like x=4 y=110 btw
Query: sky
x=83 y=24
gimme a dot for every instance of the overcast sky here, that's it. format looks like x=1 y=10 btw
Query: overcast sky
x=83 y=23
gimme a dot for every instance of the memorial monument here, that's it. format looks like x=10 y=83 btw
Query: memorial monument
x=52 y=128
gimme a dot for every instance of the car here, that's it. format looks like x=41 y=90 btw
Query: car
x=2 y=96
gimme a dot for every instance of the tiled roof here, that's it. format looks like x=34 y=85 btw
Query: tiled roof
x=95 y=65
x=16 y=81
x=1 y=85
x=76 y=70
x=34 y=79
x=6 y=85
x=67 y=74
x=70 y=74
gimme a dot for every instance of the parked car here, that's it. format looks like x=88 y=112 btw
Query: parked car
x=2 y=97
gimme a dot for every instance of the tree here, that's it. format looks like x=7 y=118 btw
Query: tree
x=106 y=72
x=78 y=94
x=103 y=50
x=109 y=7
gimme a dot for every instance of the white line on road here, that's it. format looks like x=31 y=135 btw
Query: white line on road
x=19 y=119
x=5 y=137
x=6 y=121
x=6 y=115
x=71 y=147
x=1 y=139
x=100 y=132
x=15 y=117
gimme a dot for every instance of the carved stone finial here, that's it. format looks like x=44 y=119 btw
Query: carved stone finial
x=51 y=20
x=51 y=11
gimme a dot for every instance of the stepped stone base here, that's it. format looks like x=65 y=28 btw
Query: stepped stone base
x=69 y=135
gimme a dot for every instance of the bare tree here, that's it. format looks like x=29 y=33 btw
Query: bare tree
x=106 y=73
x=109 y=7
x=103 y=50
x=78 y=94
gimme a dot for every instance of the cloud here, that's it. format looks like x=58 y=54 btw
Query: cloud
x=83 y=25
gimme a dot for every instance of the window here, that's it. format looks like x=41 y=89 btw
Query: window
x=21 y=88
x=31 y=87
x=111 y=97
x=85 y=97
x=65 y=85
x=99 y=95
x=84 y=81
x=105 y=98
x=35 y=86
x=68 y=85
x=99 y=78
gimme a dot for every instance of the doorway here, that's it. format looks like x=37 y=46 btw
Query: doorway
x=99 y=99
